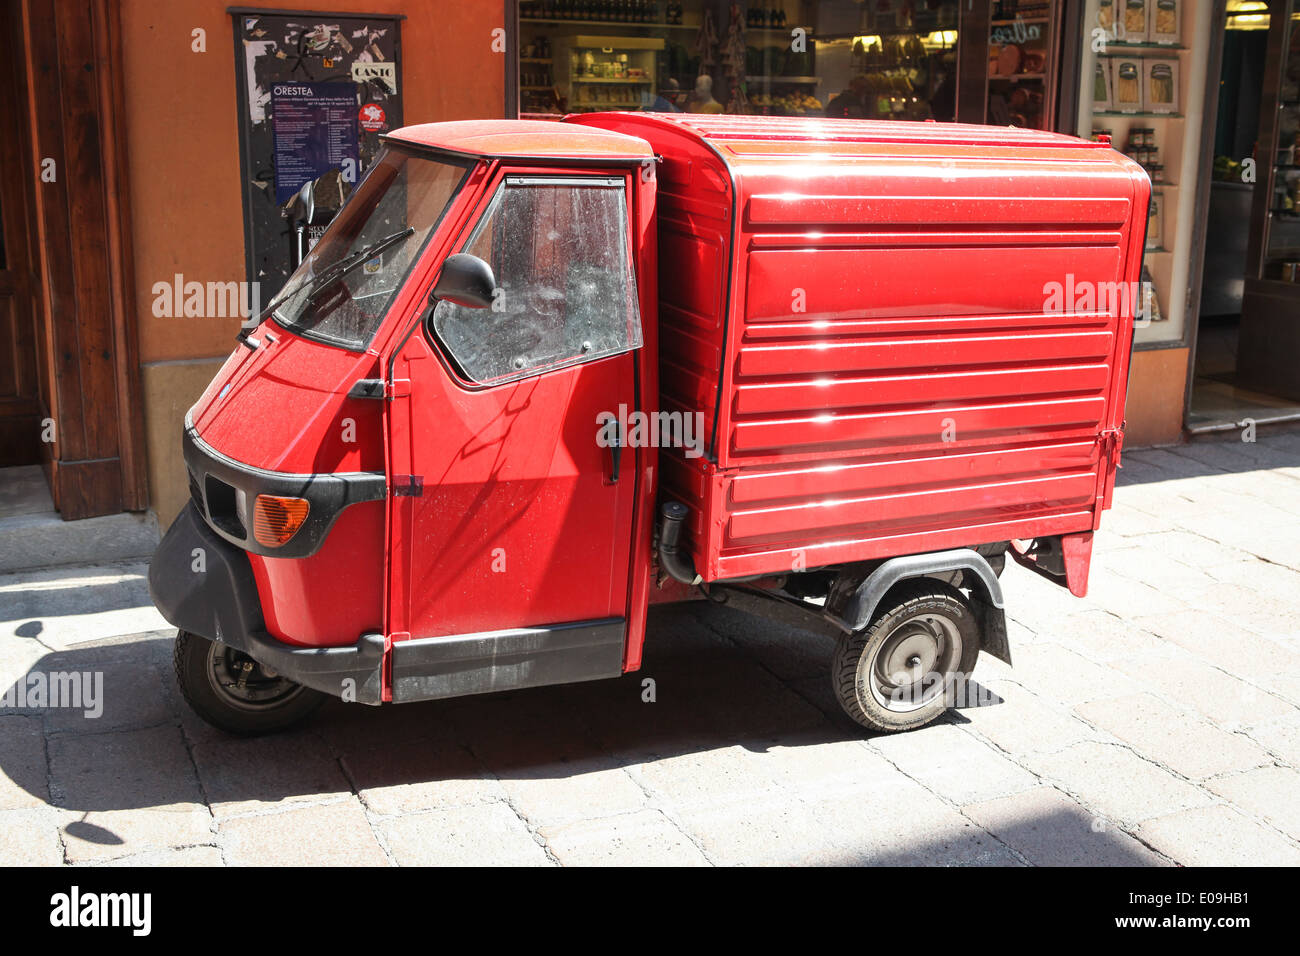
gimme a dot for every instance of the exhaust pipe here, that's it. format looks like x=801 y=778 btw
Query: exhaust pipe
x=679 y=565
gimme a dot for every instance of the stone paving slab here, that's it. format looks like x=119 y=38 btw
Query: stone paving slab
x=1048 y=828
x=1193 y=748
x=1118 y=783
x=1281 y=738
x=948 y=763
x=331 y=834
x=1026 y=723
x=1154 y=722
x=1265 y=793
x=31 y=837
x=642 y=838
x=491 y=834
x=1218 y=836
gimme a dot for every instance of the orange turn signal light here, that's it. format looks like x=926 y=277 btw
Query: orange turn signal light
x=277 y=519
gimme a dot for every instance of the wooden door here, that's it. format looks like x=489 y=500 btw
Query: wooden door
x=20 y=417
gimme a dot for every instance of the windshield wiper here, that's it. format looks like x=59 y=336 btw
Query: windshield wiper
x=345 y=265
x=328 y=277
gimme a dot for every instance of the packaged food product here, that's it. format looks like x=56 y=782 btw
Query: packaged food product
x=1135 y=21
x=1155 y=221
x=1163 y=27
x=1106 y=15
x=1128 y=85
x=1101 y=87
x=1160 y=85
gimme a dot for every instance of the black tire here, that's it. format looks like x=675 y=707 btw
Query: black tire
x=234 y=693
x=897 y=673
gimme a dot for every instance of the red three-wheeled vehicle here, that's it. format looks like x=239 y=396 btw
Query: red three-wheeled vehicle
x=536 y=376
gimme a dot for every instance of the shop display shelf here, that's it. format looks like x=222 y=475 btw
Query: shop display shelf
x=1137 y=113
x=802 y=80
x=1159 y=47
x=611 y=23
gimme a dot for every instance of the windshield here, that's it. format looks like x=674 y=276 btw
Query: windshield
x=394 y=210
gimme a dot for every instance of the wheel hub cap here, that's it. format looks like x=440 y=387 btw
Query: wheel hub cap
x=915 y=662
x=244 y=682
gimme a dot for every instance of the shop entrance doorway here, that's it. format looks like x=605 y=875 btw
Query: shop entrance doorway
x=1251 y=276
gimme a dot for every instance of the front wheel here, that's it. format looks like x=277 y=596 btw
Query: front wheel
x=235 y=693
x=898 y=673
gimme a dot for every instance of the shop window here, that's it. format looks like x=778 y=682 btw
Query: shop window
x=1142 y=75
x=566 y=291
x=886 y=59
x=1023 y=39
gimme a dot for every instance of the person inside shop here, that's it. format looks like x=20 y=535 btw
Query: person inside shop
x=943 y=102
x=850 y=104
x=666 y=100
x=703 y=101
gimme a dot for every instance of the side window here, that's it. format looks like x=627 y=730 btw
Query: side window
x=566 y=292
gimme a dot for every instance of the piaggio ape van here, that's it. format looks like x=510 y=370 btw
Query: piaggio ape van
x=536 y=376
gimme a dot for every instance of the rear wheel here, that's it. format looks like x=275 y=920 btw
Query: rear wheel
x=235 y=693
x=898 y=672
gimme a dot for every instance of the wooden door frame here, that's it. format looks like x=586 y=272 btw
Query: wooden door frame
x=71 y=87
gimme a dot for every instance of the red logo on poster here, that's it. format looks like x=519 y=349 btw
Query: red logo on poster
x=372 y=117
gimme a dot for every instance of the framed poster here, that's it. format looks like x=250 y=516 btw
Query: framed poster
x=313 y=131
x=315 y=92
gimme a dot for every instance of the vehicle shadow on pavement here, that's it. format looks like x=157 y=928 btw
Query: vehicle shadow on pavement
x=738 y=729
x=712 y=678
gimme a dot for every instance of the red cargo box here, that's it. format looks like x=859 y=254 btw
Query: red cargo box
x=902 y=337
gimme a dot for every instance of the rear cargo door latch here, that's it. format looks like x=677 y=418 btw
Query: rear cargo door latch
x=1111 y=441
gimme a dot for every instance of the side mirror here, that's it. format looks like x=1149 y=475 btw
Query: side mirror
x=465 y=280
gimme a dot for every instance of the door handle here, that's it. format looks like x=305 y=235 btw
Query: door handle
x=615 y=453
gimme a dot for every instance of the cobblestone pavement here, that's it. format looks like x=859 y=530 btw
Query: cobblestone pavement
x=1157 y=721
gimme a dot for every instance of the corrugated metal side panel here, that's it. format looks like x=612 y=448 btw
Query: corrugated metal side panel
x=903 y=373
x=888 y=294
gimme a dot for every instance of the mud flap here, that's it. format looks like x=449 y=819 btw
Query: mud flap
x=1062 y=559
x=993 y=628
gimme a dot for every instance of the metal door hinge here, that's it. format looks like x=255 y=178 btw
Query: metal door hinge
x=407 y=486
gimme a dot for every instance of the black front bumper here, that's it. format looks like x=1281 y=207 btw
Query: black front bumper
x=203 y=584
